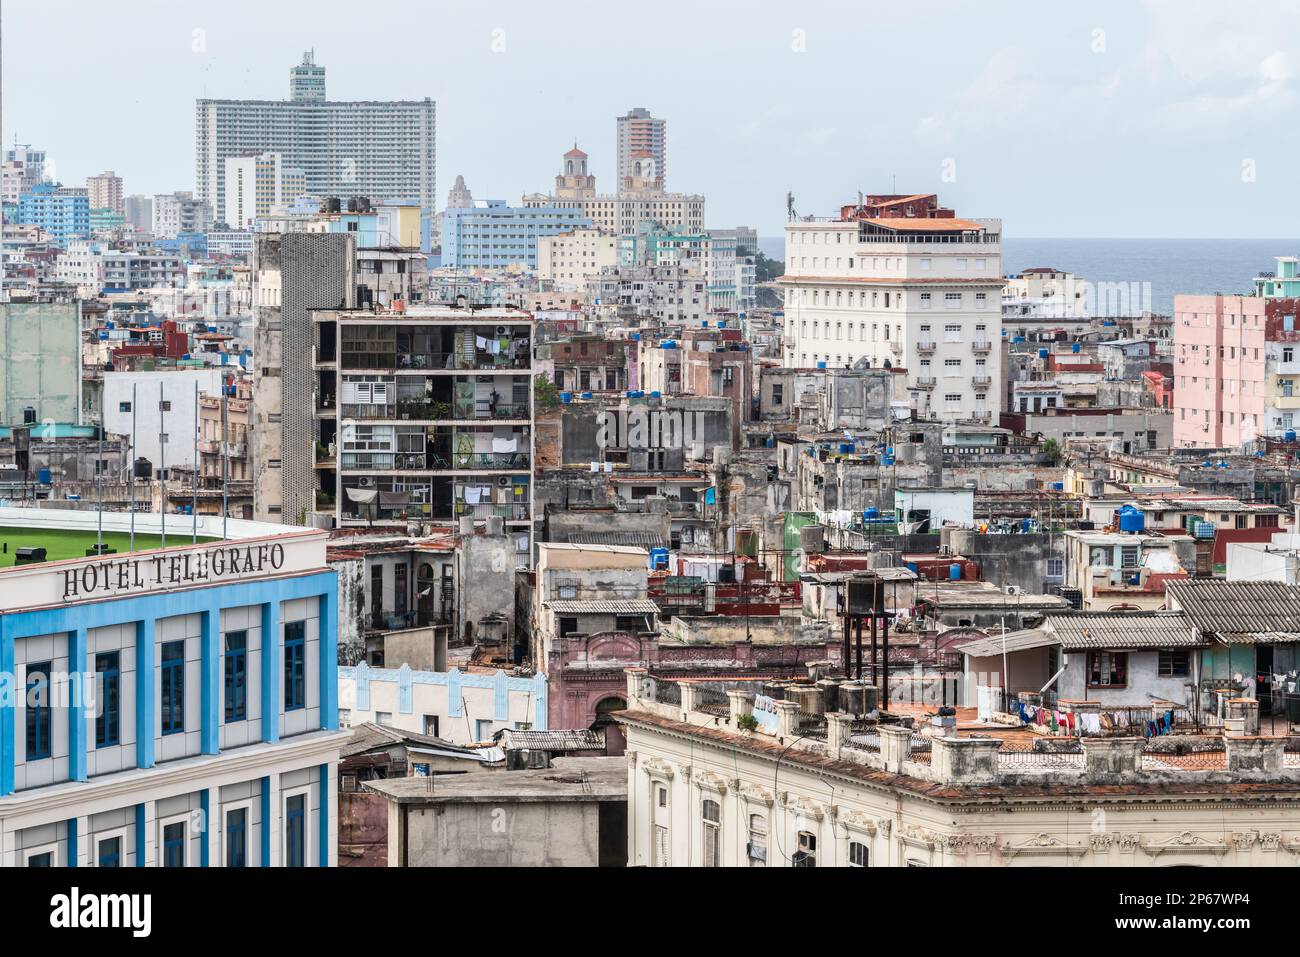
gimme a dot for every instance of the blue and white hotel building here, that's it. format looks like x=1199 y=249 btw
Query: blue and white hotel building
x=206 y=730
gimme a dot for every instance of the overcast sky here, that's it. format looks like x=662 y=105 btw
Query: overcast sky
x=1099 y=119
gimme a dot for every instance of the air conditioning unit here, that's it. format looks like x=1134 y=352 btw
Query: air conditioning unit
x=1013 y=589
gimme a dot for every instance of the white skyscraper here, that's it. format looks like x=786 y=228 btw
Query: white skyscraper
x=380 y=150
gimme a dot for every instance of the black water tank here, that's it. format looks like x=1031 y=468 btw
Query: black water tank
x=143 y=469
x=29 y=556
x=29 y=416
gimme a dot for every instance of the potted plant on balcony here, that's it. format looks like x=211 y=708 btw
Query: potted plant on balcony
x=746 y=723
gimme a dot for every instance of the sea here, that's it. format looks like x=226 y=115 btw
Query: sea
x=1171 y=266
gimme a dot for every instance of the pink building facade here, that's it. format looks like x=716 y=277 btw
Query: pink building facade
x=1219 y=357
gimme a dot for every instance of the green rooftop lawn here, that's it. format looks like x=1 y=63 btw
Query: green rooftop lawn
x=60 y=544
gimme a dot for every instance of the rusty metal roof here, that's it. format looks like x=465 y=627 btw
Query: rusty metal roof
x=1120 y=630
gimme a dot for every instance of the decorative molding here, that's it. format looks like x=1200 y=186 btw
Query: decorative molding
x=656 y=768
x=858 y=821
x=1270 y=841
x=1186 y=842
x=755 y=794
x=1042 y=844
x=1103 y=841
x=1245 y=840
x=916 y=836
x=708 y=781
x=802 y=805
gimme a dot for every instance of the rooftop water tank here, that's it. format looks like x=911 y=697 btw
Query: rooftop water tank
x=821 y=364
x=1042 y=353
x=1288 y=435
x=1074 y=347
x=585 y=395
x=566 y=397
x=1131 y=520
x=954 y=572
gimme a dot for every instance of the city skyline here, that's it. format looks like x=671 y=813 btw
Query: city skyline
x=1072 y=124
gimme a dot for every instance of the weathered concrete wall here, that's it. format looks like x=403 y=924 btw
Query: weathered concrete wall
x=765 y=630
x=504 y=834
x=363 y=829
x=352 y=609
x=1009 y=559
x=40 y=361
x=486 y=580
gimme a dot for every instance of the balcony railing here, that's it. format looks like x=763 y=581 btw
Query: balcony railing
x=981 y=379
x=981 y=345
x=924 y=346
x=925 y=382
x=435 y=461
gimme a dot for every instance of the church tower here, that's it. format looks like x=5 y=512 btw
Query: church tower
x=574 y=182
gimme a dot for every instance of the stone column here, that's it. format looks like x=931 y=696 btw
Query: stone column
x=1255 y=753
x=965 y=760
x=839 y=728
x=742 y=703
x=1106 y=757
x=635 y=682
x=688 y=695
x=787 y=719
x=895 y=745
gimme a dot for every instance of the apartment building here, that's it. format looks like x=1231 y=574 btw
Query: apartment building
x=382 y=149
x=641 y=137
x=1219 y=362
x=899 y=281
x=424 y=414
x=105 y=192
x=256 y=184
x=568 y=259
x=180 y=212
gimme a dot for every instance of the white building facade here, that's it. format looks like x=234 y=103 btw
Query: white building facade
x=924 y=294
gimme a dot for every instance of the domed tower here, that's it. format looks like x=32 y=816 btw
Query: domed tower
x=574 y=182
x=643 y=173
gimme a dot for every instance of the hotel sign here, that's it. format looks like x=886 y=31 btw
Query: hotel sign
x=107 y=577
x=131 y=574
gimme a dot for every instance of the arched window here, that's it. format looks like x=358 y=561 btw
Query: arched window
x=858 y=855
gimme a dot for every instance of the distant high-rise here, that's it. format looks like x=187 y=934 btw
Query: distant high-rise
x=139 y=212
x=105 y=191
x=380 y=150
x=641 y=137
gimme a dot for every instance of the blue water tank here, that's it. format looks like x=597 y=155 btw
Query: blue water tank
x=566 y=397
x=1026 y=525
x=585 y=395
x=668 y=344
x=871 y=512
x=846 y=448
x=1131 y=520
x=1042 y=353
x=821 y=364
x=631 y=394
x=954 y=572
x=1058 y=486
x=636 y=337
x=722 y=323
x=44 y=477
x=1017 y=338
x=1288 y=435
x=1074 y=347
x=654 y=394
x=887 y=460
x=704 y=323
x=889 y=450
x=911 y=567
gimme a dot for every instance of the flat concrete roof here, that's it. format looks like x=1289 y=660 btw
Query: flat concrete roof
x=570 y=779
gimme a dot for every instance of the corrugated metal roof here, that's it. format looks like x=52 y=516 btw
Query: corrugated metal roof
x=1012 y=641
x=642 y=538
x=1119 y=630
x=579 y=740
x=597 y=606
x=1238 y=608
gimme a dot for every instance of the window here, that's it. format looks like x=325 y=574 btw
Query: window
x=39 y=719
x=857 y=854
x=237 y=837
x=384 y=717
x=173 y=854
x=660 y=849
x=806 y=855
x=1174 y=664
x=1056 y=568
x=43 y=859
x=952 y=300
x=236 y=678
x=1107 y=669
x=711 y=812
x=757 y=849
x=124 y=407
x=109 y=852
x=295 y=831
x=172 y=703
x=295 y=679
x=483 y=729
x=1128 y=556
x=778 y=394
x=431 y=725
x=109 y=680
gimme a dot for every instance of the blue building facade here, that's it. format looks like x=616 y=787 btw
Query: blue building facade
x=63 y=213
x=204 y=729
x=492 y=235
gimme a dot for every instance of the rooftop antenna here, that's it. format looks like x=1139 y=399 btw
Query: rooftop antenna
x=162 y=465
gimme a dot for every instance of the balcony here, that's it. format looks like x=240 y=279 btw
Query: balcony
x=982 y=416
x=513 y=512
x=925 y=346
x=981 y=345
x=435 y=461
x=925 y=382
x=982 y=380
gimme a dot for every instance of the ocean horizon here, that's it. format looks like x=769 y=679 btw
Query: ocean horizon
x=1170 y=266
